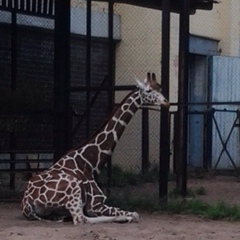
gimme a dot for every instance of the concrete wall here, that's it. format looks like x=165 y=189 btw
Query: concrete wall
x=140 y=51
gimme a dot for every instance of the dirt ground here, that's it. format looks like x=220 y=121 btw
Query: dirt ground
x=13 y=226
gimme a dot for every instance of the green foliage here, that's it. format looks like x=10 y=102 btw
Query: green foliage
x=196 y=207
x=124 y=184
x=134 y=204
x=222 y=211
x=190 y=192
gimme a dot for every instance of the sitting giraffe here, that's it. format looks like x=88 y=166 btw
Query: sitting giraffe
x=68 y=188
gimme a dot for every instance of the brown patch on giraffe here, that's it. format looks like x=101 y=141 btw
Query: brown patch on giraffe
x=58 y=196
x=126 y=116
x=109 y=143
x=43 y=189
x=105 y=157
x=78 y=210
x=50 y=193
x=74 y=184
x=52 y=184
x=36 y=182
x=119 y=129
x=43 y=198
x=98 y=201
x=110 y=125
x=90 y=153
x=63 y=184
x=71 y=154
x=62 y=201
x=70 y=164
x=101 y=137
x=35 y=192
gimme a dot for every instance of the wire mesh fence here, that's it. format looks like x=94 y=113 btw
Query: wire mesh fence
x=213 y=128
x=26 y=118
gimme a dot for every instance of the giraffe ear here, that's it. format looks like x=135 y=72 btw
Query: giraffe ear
x=154 y=77
x=140 y=84
x=143 y=85
x=149 y=77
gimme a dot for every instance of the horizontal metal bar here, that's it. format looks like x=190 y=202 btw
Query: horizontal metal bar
x=204 y=103
x=33 y=170
x=225 y=110
x=25 y=151
x=26 y=114
x=107 y=88
x=197 y=112
x=19 y=161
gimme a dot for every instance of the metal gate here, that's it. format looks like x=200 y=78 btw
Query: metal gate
x=214 y=140
x=225 y=133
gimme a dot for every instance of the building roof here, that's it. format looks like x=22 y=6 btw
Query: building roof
x=174 y=4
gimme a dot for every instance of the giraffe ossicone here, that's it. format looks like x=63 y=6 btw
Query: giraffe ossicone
x=68 y=188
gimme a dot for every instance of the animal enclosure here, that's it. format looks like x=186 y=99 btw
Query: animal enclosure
x=55 y=95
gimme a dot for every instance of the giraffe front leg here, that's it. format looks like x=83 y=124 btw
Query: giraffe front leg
x=122 y=216
x=75 y=208
x=96 y=204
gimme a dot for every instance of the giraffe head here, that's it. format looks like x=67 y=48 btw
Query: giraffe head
x=151 y=91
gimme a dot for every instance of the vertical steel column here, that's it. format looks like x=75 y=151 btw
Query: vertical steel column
x=88 y=64
x=13 y=89
x=14 y=51
x=182 y=115
x=208 y=117
x=164 y=125
x=111 y=61
x=145 y=141
x=62 y=121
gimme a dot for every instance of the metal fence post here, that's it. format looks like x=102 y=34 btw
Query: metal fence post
x=183 y=96
x=62 y=78
x=164 y=125
x=145 y=141
x=110 y=79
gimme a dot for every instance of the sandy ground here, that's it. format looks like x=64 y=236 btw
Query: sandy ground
x=13 y=226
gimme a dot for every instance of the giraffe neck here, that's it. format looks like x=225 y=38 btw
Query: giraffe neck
x=101 y=146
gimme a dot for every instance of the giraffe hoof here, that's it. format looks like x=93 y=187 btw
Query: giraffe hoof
x=135 y=217
x=79 y=219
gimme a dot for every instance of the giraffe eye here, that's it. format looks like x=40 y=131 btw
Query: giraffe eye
x=148 y=91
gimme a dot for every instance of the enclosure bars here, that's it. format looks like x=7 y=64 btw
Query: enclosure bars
x=62 y=78
x=164 y=124
x=182 y=113
x=111 y=59
x=145 y=141
x=30 y=8
x=13 y=89
x=88 y=64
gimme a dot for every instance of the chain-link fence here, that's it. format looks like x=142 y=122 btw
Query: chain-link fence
x=26 y=92
x=27 y=84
